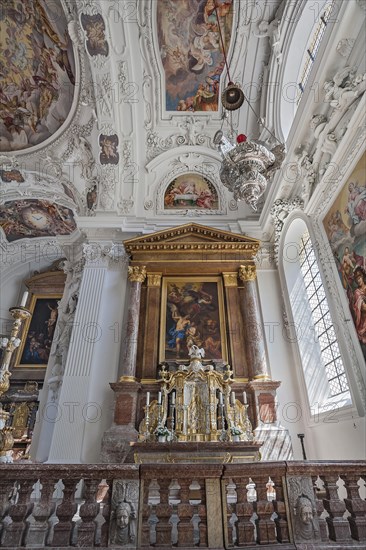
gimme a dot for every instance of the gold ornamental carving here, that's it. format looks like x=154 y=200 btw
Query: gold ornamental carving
x=154 y=279
x=247 y=273
x=230 y=279
x=136 y=273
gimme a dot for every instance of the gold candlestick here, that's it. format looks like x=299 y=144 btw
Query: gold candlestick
x=9 y=345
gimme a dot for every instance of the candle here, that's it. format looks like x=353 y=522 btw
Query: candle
x=233 y=398
x=245 y=400
x=24 y=299
x=159 y=398
x=148 y=398
x=220 y=398
x=173 y=398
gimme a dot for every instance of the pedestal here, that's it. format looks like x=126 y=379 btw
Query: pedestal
x=116 y=441
x=203 y=452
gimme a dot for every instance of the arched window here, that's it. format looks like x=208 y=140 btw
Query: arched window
x=313 y=46
x=323 y=368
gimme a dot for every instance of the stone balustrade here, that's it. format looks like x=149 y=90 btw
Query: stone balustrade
x=287 y=504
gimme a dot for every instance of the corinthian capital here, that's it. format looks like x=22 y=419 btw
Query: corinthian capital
x=136 y=273
x=247 y=273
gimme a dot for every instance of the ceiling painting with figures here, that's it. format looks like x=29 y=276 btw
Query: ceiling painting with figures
x=191 y=52
x=38 y=72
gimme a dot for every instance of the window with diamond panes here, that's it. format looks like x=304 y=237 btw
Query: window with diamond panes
x=314 y=46
x=323 y=325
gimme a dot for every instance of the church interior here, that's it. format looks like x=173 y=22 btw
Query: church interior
x=183 y=274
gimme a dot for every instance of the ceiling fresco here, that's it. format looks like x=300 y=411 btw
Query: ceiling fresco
x=35 y=218
x=191 y=51
x=38 y=72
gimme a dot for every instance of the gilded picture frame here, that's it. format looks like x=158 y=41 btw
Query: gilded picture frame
x=192 y=312
x=38 y=331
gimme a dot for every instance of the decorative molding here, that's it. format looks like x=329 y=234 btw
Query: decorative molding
x=154 y=279
x=230 y=279
x=280 y=210
x=344 y=46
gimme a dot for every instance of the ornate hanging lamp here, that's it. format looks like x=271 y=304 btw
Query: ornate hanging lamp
x=248 y=164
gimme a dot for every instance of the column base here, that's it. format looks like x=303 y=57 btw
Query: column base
x=276 y=442
x=116 y=447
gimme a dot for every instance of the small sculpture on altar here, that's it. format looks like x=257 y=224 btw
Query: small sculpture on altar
x=195 y=352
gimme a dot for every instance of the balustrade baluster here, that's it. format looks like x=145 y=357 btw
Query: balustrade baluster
x=6 y=489
x=185 y=513
x=202 y=513
x=88 y=513
x=106 y=510
x=43 y=509
x=146 y=511
x=65 y=511
x=339 y=529
x=164 y=512
x=13 y=533
x=356 y=507
x=266 y=528
x=320 y=509
x=230 y=510
x=244 y=511
x=280 y=509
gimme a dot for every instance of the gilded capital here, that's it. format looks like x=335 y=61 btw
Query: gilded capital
x=230 y=279
x=154 y=279
x=247 y=273
x=136 y=273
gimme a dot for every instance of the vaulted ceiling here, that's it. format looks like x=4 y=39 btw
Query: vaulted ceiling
x=109 y=108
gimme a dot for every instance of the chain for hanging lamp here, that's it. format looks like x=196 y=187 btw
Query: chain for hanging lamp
x=247 y=165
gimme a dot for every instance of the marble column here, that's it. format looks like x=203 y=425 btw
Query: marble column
x=116 y=440
x=136 y=276
x=253 y=324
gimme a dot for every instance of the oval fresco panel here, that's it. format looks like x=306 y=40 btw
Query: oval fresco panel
x=38 y=72
x=191 y=51
x=191 y=192
x=32 y=218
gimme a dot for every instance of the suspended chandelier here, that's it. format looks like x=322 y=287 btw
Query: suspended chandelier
x=247 y=164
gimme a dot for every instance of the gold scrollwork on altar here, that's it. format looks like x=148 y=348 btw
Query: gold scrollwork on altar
x=196 y=404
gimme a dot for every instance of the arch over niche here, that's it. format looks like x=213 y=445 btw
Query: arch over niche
x=39 y=73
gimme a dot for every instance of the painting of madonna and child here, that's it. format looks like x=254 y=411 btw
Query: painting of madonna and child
x=191 y=51
x=192 y=314
x=191 y=191
x=345 y=226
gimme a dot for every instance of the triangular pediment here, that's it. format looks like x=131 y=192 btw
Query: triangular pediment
x=190 y=233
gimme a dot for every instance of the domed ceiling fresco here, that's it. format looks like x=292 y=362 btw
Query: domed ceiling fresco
x=38 y=72
x=191 y=51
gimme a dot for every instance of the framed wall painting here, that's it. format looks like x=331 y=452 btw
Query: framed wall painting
x=192 y=312
x=39 y=331
x=345 y=227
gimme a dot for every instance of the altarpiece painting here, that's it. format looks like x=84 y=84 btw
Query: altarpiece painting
x=192 y=313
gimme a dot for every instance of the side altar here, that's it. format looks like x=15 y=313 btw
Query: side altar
x=196 y=418
x=194 y=288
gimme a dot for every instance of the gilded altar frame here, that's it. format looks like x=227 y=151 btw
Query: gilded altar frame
x=42 y=318
x=203 y=301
